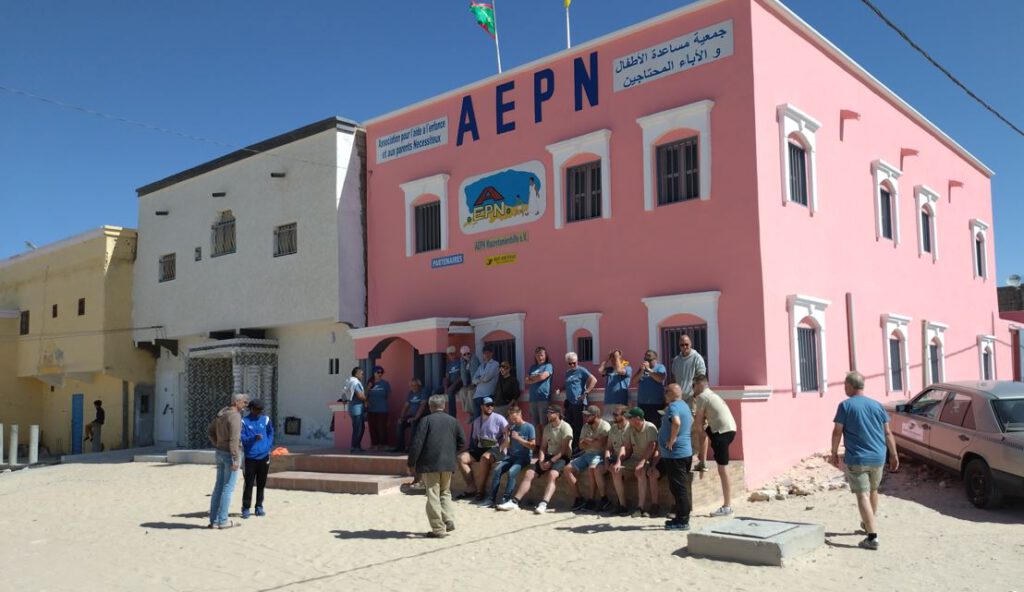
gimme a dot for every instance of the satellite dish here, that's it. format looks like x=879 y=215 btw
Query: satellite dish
x=1014 y=281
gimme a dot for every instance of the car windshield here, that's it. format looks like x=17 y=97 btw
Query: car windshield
x=1010 y=413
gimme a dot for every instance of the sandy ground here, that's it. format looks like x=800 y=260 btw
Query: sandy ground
x=142 y=527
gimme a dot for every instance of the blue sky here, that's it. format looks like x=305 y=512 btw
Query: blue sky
x=239 y=72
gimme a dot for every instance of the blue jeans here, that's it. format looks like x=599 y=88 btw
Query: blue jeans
x=512 y=466
x=358 y=426
x=220 y=500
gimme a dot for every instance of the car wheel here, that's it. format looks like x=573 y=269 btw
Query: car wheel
x=981 y=489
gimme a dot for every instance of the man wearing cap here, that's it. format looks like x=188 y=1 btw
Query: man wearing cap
x=257 y=441
x=676 y=455
x=452 y=378
x=720 y=430
x=468 y=365
x=642 y=448
x=432 y=455
x=578 y=384
x=485 y=379
x=593 y=441
x=614 y=455
x=486 y=433
x=554 y=454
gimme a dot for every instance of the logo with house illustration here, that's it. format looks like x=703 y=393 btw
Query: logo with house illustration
x=503 y=198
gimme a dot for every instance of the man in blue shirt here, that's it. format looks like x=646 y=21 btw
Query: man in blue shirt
x=517 y=449
x=578 y=384
x=863 y=425
x=538 y=380
x=617 y=376
x=411 y=412
x=651 y=376
x=676 y=454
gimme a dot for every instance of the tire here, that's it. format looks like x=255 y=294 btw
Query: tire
x=981 y=489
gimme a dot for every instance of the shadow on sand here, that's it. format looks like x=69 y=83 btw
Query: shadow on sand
x=599 y=527
x=374 y=534
x=944 y=493
x=172 y=526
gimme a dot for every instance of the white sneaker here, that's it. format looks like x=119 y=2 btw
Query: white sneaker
x=509 y=505
x=723 y=511
x=541 y=508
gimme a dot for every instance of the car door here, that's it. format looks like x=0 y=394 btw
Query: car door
x=953 y=431
x=912 y=426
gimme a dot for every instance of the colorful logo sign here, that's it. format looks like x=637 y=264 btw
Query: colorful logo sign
x=502 y=259
x=503 y=198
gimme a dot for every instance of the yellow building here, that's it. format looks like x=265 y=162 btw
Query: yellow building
x=66 y=341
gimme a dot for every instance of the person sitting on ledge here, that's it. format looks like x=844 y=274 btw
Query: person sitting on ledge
x=554 y=454
x=593 y=441
x=486 y=432
x=517 y=449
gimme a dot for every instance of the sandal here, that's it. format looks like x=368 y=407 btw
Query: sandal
x=228 y=524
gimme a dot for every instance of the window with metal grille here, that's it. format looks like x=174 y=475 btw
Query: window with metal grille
x=504 y=351
x=885 y=209
x=53 y=312
x=23 y=327
x=199 y=254
x=797 y=174
x=670 y=336
x=428 y=227
x=286 y=240
x=979 y=256
x=223 y=235
x=583 y=192
x=585 y=348
x=933 y=362
x=807 y=348
x=896 y=363
x=81 y=307
x=167 y=267
x=333 y=366
x=926 y=231
x=678 y=173
x=986 y=364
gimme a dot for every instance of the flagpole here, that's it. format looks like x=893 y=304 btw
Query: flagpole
x=568 y=40
x=497 y=47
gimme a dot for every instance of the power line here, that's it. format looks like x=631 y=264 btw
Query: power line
x=928 y=57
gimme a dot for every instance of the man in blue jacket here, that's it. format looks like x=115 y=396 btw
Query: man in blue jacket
x=257 y=441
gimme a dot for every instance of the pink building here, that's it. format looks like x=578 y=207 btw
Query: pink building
x=722 y=171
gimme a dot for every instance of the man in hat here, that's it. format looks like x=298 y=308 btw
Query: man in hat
x=556 y=449
x=486 y=433
x=432 y=455
x=642 y=445
x=257 y=441
x=593 y=441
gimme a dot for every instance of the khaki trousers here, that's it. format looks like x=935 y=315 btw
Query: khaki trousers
x=440 y=510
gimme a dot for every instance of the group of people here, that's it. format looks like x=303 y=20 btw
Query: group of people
x=240 y=443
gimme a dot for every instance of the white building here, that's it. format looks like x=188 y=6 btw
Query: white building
x=250 y=272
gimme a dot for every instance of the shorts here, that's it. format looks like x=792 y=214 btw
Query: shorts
x=477 y=453
x=558 y=465
x=863 y=478
x=720 y=445
x=587 y=460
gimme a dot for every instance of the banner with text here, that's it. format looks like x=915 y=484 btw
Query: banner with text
x=673 y=56
x=412 y=140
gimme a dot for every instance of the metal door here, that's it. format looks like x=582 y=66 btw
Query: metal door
x=165 y=406
x=144 y=403
x=77 y=422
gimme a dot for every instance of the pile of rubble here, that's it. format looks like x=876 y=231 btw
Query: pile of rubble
x=812 y=475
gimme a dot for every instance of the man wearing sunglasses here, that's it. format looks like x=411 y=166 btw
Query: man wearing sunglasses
x=486 y=433
x=685 y=366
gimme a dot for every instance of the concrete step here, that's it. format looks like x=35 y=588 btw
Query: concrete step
x=331 y=461
x=337 y=482
x=157 y=458
x=192 y=457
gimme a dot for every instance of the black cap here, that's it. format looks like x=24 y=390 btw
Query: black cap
x=256 y=404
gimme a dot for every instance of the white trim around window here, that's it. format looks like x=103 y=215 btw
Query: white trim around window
x=986 y=342
x=695 y=116
x=589 y=322
x=886 y=174
x=927 y=199
x=433 y=185
x=793 y=121
x=701 y=304
x=934 y=332
x=895 y=323
x=509 y=323
x=598 y=143
x=978 y=227
x=802 y=307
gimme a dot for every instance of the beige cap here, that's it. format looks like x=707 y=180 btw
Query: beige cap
x=451 y=349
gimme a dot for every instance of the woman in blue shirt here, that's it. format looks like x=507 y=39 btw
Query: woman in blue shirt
x=378 y=391
x=617 y=376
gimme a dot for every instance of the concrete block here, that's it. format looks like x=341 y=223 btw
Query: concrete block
x=192 y=457
x=157 y=458
x=756 y=541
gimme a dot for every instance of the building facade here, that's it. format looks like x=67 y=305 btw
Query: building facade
x=250 y=273
x=721 y=171
x=66 y=341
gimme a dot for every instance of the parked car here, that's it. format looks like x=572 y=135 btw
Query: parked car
x=975 y=429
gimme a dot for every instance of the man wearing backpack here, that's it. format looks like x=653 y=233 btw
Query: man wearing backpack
x=257 y=440
x=225 y=433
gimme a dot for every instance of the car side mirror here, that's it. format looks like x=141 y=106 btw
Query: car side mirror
x=901 y=408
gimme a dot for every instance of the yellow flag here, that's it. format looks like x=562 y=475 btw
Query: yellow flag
x=567 y=3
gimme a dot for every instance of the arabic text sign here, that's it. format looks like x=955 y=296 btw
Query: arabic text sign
x=412 y=140
x=673 y=56
x=500 y=259
x=501 y=198
x=447 y=261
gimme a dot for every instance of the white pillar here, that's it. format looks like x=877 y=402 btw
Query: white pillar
x=14 y=446
x=33 y=444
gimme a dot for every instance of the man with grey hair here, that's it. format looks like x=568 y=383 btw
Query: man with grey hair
x=863 y=425
x=225 y=433
x=578 y=384
x=436 y=440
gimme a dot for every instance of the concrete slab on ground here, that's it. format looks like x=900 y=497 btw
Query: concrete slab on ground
x=192 y=457
x=110 y=456
x=756 y=541
x=337 y=482
x=157 y=458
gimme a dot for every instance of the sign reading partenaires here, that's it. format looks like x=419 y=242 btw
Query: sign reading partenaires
x=413 y=139
x=447 y=261
x=673 y=56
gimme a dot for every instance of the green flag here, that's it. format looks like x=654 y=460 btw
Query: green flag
x=484 y=14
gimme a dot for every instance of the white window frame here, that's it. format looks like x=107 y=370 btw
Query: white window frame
x=801 y=307
x=979 y=227
x=794 y=121
x=695 y=116
x=986 y=341
x=700 y=304
x=589 y=322
x=886 y=174
x=927 y=199
x=895 y=323
x=934 y=331
x=598 y=143
x=511 y=323
x=433 y=185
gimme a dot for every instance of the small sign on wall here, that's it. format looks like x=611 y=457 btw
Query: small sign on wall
x=447 y=261
x=501 y=198
x=499 y=259
x=501 y=241
x=673 y=56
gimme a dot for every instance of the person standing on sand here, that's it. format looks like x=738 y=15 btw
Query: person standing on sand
x=257 y=441
x=432 y=455
x=863 y=425
x=225 y=433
